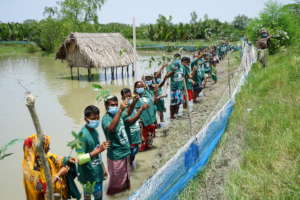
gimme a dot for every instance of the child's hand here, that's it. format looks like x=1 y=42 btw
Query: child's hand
x=104 y=146
x=73 y=160
x=145 y=106
x=135 y=98
x=123 y=105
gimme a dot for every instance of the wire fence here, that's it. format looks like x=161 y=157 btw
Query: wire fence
x=171 y=179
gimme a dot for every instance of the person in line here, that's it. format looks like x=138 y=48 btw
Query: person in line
x=60 y=169
x=175 y=72
x=119 y=150
x=148 y=116
x=131 y=117
x=90 y=166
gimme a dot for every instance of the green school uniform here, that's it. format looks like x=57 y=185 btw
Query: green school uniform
x=91 y=171
x=133 y=130
x=160 y=104
x=187 y=72
x=148 y=116
x=177 y=77
x=119 y=147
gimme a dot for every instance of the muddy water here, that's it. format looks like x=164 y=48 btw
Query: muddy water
x=60 y=103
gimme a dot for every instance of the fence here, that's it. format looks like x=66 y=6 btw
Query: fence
x=191 y=158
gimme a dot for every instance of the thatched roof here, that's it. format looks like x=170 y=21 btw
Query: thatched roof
x=98 y=50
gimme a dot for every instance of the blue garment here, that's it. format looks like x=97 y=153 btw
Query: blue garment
x=97 y=193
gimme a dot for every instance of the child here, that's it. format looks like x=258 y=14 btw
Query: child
x=131 y=117
x=160 y=104
x=119 y=151
x=175 y=72
x=90 y=166
x=188 y=75
x=148 y=116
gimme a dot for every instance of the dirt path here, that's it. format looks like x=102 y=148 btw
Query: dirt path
x=170 y=139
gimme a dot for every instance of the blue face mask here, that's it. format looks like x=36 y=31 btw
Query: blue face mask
x=140 y=90
x=148 y=83
x=158 y=80
x=113 y=110
x=93 y=124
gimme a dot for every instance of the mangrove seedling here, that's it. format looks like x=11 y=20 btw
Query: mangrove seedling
x=4 y=148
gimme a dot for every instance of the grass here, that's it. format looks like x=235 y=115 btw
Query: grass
x=22 y=49
x=267 y=118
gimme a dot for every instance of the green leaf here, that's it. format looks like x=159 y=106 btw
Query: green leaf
x=96 y=86
x=5 y=155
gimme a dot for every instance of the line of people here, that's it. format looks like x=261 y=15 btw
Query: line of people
x=129 y=125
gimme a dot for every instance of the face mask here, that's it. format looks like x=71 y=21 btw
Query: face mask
x=158 y=80
x=113 y=110
x=93 y=123
x=148 y=83
x=140 y=90
x=177 y=62
x=130 y=101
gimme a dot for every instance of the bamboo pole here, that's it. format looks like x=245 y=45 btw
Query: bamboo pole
x=187 y=99
x=134 y=45
x=30 y=101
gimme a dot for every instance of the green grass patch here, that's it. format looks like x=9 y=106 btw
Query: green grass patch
x=267 y=117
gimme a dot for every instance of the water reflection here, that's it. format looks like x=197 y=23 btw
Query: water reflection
x=60 y=103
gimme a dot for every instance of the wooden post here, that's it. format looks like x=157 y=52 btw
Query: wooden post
x=188 y=109
x=112 y=73
x=133 y=69
x=134 y=45
x=127 y=70
x=122 y=71
x=71 y=68
x=105 y=73
x=89 y=73
x=30 y=101
x=116 y=72
x=77 y=73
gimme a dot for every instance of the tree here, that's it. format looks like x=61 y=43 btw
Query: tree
x=241 y=22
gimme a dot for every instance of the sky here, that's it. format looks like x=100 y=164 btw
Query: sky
x=145 y=11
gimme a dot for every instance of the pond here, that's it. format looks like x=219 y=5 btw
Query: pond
x=60 y=103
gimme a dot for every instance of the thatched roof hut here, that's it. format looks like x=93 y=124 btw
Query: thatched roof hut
x=96 y=50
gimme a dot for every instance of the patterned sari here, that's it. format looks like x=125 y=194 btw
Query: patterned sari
x=34 y=176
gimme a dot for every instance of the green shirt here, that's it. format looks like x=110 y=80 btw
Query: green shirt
x=177 y=77
x=91 y=171
x=148 y=116
x=133 y=130
x=119 y=147
x=187 y=72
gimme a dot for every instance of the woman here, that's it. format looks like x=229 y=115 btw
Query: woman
x=34 y=176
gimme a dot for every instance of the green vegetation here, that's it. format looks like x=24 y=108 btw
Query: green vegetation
x=3 y=149
x=265 y=118
x=282 y=22
x=81 y=16
x=267 y=112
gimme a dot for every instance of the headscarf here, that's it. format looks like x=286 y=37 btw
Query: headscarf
x=34 y=176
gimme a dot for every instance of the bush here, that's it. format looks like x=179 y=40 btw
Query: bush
x=280 y=22
x=32 y=48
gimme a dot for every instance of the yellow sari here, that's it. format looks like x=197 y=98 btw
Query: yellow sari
x=34 y=176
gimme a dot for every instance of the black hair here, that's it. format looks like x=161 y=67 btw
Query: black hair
x=125 y=91
x=186 y=59
x=177 y=55
x=135 y=84
x=110 y=98
x=88 y=111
